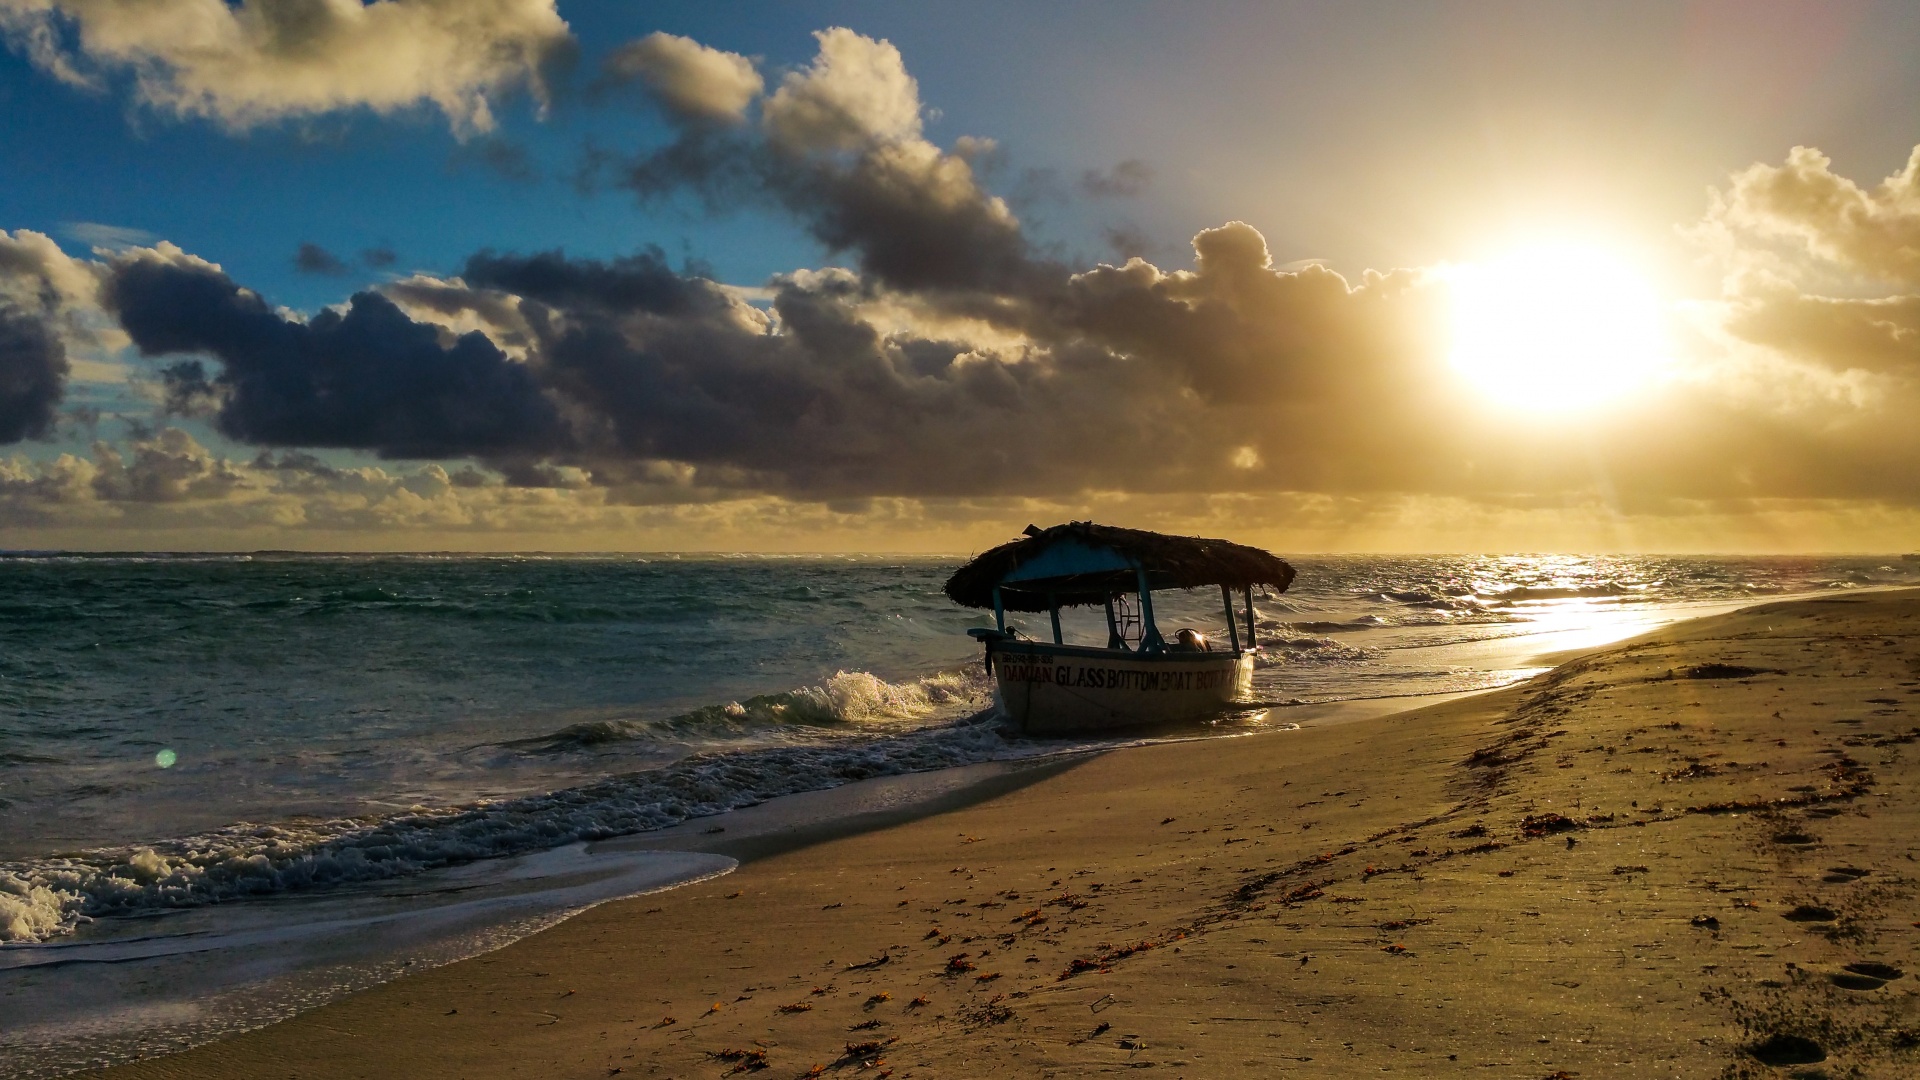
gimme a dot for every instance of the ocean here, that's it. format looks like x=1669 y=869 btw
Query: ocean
x=236 y=786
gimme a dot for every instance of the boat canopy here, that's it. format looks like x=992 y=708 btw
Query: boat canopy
x=1081 y=564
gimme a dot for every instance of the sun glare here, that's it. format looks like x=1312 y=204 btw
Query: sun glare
x=1552 y=329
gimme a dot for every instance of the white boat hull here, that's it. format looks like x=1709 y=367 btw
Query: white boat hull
x=1062 y=689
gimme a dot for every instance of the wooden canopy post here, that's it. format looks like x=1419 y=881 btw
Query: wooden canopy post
x=1114 y=640
x=1053 y=608
x=1233 y=635
x=1250 y=641
x=999 y=611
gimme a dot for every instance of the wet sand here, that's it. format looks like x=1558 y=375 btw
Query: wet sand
x=1691 y=855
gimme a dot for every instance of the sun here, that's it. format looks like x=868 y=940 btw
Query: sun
x=1556 y=328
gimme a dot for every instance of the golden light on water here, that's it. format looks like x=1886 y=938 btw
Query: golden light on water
x=1556 y=328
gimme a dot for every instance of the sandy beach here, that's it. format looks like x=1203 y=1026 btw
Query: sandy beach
x=1686 y=856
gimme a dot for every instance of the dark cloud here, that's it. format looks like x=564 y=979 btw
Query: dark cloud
x=1125 y=180
x=314 y=259
x=504 y=158
x=379 y=258
x=957 y=360
x=1122 y=377
x=369 y=378
x=1128 y=241
x=636 y=283
x=1232 y=376
x=33 y=375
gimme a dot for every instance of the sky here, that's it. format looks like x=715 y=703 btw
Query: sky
x=539 y=275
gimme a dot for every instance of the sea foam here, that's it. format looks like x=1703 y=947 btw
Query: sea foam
x=46 y=897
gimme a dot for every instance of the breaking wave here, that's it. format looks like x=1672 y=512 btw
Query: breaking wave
x=1309 y=650
x=849 y=698
x=48 y=897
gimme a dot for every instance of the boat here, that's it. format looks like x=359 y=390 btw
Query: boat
x=1141 y=676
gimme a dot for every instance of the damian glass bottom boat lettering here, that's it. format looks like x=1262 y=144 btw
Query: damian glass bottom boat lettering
x=1140 y=677
x=1046 y=668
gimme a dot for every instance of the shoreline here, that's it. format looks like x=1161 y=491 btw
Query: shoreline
x=1357 y=923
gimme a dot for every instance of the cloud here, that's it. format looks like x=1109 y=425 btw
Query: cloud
x=1822 y=279
x=34 y=272
x=506 y=159
x=46 y=302
x=1128 y=241
x=855 y=93
x=656 y=386
x=1878 y=335
x=313 y=259
x=176 y=493
x=840 y=148
x=95 y=234
x=956 y=367
x=165 y=484
x=1125 y=180
x=693 y=83
x=167 y=466
x=678 y=387
x=1804 y=204
x=260 y=61
x=367 y=378
x=33 y=373
x=379 y=258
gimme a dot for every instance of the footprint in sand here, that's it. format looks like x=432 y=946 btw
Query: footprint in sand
x=1788 y=1050
x=1795 y=839
x=1811 y=913
x=1837 y=875
x=1865 y=975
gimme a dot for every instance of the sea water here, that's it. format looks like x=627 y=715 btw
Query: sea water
x=260 y=781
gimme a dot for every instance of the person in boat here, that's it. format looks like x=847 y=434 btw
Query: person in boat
x=1187 y=639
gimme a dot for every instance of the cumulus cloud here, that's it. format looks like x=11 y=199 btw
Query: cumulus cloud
x=167 y=466
x=1120 y=377
x=1822 y=276
x=694 y=83
x=956 y=367
x=368 y=378
x=1803 y=203
x=34 y=272
x=33 y=373
x=840 y=147
x=46 y=299
x=165 y=484
x=655 y=386
x=856 y=92
x=259 y=61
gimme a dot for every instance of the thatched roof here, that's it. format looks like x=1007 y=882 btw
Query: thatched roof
x=1171 y=562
